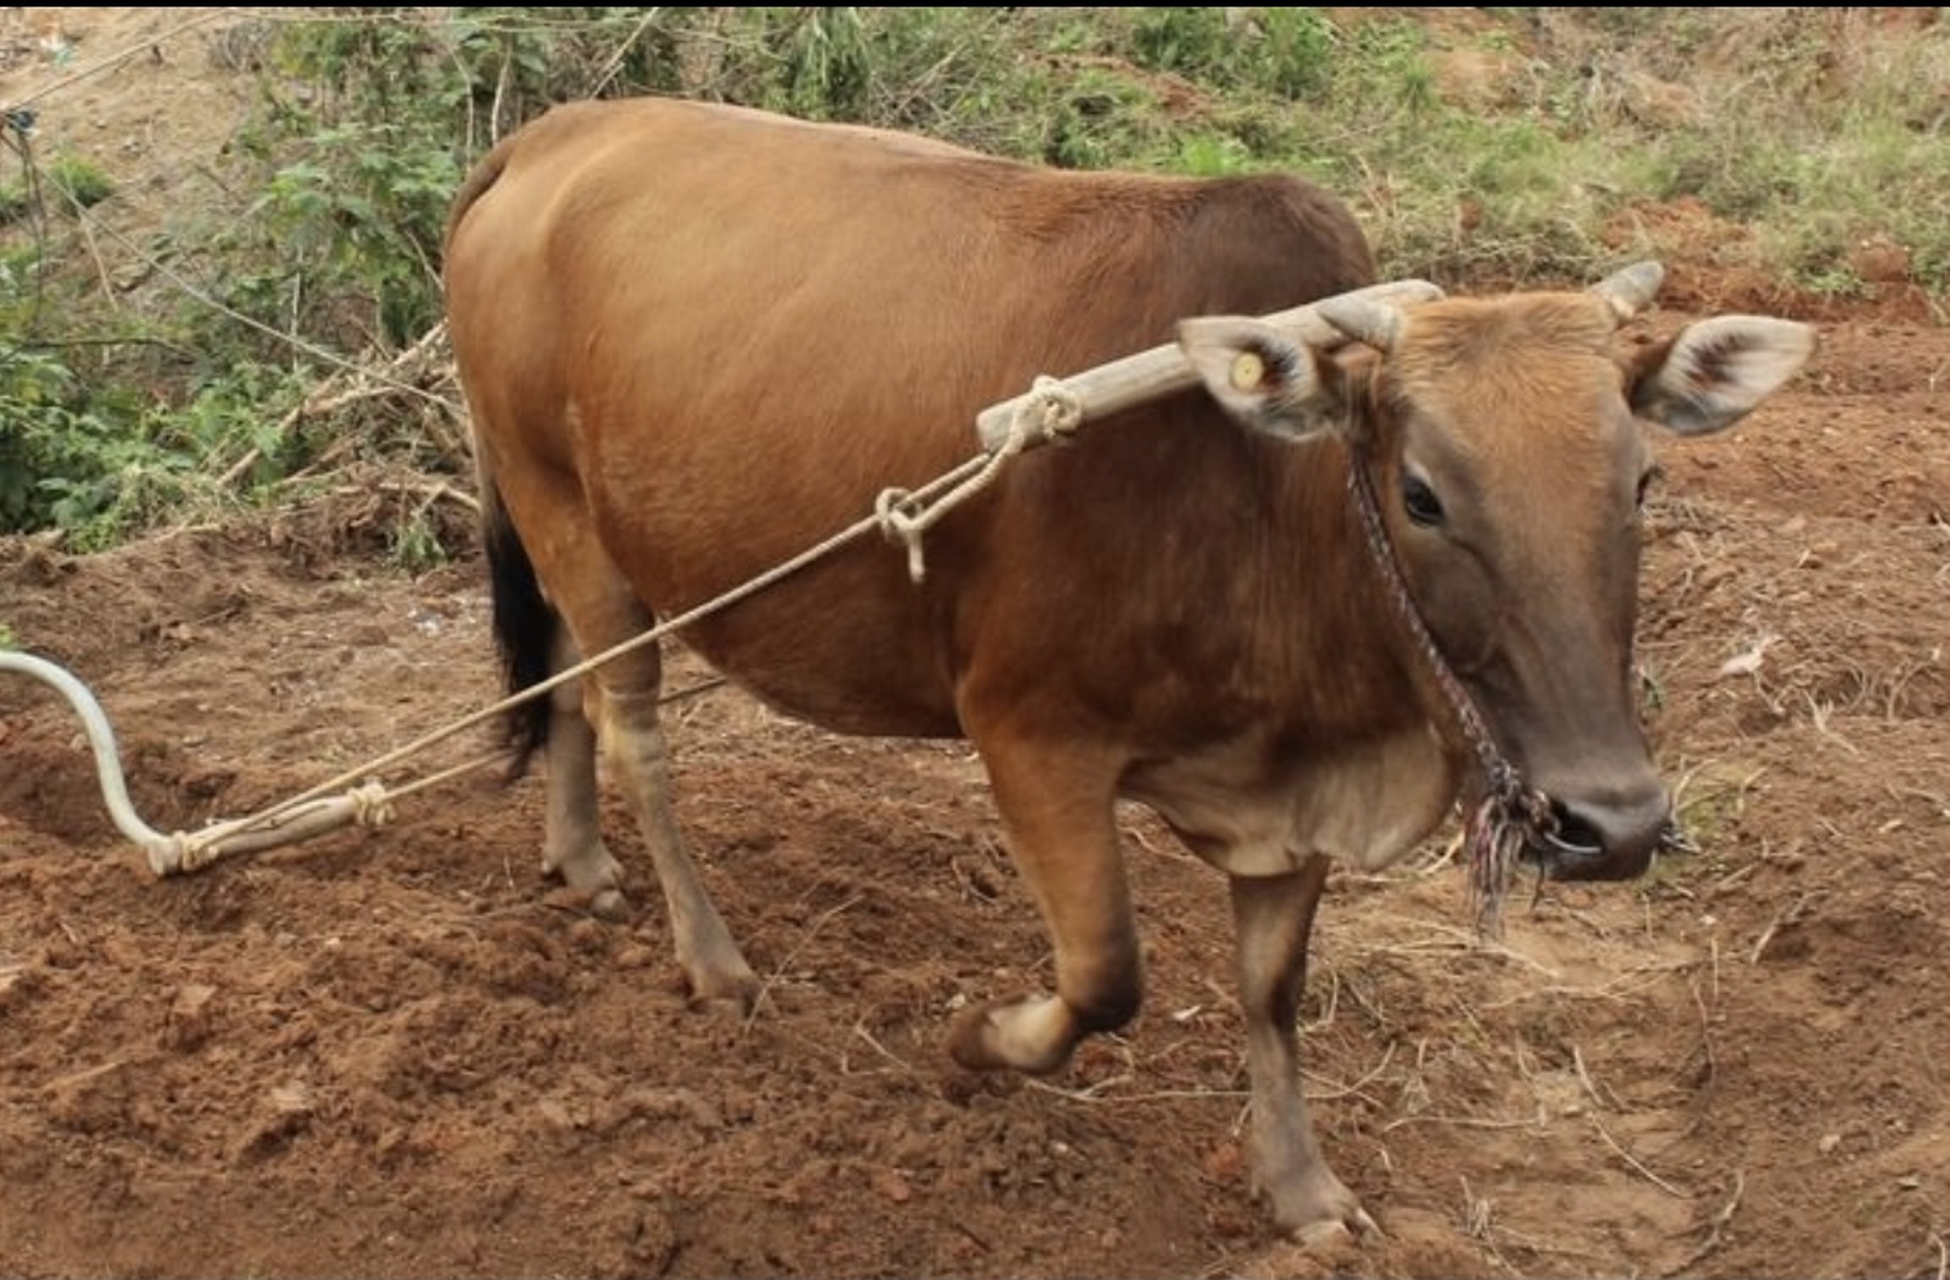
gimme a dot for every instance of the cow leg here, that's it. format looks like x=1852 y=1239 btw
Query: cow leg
x=1059 y=815
x=1274 y=917
x=634 y=740
x=572 y=846
x=601 y=610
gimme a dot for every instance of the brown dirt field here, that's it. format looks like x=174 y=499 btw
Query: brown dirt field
x=393 y=1051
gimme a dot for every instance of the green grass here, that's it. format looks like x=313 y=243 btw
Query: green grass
x=76 y=181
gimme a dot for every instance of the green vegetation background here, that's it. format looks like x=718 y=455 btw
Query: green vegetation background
x=1506 y=146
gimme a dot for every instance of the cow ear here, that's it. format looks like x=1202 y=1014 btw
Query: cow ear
x=1713 y=373
x=1260 y=375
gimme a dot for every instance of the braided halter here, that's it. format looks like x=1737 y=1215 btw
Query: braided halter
x=1512 y=814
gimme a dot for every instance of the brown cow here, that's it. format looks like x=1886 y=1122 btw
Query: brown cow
x=697 y=340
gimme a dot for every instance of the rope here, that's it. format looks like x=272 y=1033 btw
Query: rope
x=928 y=504
x=371 y=806
x=1511 y=813
x=1051 y=411
x=900 y=514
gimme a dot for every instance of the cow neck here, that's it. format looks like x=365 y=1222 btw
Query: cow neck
x=1511 y=814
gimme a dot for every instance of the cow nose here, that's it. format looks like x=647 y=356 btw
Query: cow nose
x=1612 y=840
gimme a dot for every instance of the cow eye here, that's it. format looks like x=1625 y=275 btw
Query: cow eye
x=1420 y=502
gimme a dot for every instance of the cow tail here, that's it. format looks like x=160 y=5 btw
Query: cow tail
x=525 y=626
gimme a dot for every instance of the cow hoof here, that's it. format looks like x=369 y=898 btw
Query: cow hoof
x=1316 y=1210
x=610 y=905
x=605 y=904
x=1330 y=1236
x=733 y=997
x=1333 y=1233
x=1029 y=1033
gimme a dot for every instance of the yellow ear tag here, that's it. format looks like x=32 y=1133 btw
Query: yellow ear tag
x=1248 y=371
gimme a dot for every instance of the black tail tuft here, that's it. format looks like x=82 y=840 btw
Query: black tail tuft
x=524 y=626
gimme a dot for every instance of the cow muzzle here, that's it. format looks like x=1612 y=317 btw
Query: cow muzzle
x=1615 y=840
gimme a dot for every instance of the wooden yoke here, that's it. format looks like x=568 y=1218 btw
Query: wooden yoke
x=1150 y=375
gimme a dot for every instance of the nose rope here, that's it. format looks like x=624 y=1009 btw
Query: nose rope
x=1511 y=813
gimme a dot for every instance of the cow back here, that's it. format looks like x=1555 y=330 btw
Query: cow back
x=735 y=330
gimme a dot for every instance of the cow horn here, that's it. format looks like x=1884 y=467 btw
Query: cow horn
x=1363 y=320
x=1311 y=327
x=1629 y=289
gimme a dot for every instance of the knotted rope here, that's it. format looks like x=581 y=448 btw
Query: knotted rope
x=1050 y=411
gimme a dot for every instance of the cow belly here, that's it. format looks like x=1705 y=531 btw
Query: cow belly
x=849 y=686
x=846 y=645
x=1366 y=805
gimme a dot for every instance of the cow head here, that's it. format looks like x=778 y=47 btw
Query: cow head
x=1501 y=436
